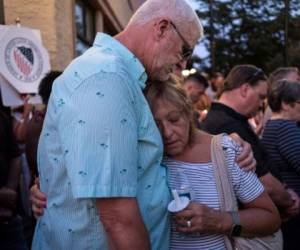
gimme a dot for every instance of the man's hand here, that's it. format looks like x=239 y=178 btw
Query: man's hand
x=245 y=159
x=38 y=199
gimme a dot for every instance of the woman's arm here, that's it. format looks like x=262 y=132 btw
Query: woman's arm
x=258 y=218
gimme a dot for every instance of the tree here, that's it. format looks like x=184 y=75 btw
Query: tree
x=249 y=31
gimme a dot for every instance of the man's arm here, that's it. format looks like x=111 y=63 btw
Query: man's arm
x=120 y=217
x=123 y=224
x=279 y=195
x=109 y=163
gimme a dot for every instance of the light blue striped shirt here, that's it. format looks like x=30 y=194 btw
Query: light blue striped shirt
x=99 y=140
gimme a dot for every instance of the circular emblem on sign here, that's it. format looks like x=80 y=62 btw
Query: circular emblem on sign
x=23 y=59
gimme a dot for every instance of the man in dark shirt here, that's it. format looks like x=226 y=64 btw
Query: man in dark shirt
x=244 y=91
x=11 y=234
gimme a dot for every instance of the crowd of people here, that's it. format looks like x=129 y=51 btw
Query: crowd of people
x=121 y=128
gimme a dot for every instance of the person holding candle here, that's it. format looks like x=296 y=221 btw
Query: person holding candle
x=188 y=149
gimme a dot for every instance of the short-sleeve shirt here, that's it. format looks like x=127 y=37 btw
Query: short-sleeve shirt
x=223 y=119
x=281 y=139
x=99 y=140
x=202 y=183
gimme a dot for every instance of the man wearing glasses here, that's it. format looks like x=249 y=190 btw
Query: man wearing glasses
x=100 y=150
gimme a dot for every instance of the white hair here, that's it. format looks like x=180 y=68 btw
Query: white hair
x=179 y=11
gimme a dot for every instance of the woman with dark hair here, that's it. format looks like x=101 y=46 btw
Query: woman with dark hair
x=281 y=139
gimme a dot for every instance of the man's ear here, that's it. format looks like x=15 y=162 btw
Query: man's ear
x=244 y=89
x=160 y=28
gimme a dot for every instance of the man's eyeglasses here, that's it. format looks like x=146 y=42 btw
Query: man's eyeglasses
x=187 y=50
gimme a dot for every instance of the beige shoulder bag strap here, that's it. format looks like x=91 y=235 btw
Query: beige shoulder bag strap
x=228 y=202
x=224 y=188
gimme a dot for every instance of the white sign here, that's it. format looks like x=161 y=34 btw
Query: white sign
x=23 y=59
x=11 y=98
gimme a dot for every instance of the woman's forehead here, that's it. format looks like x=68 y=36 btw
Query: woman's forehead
x=166 y=104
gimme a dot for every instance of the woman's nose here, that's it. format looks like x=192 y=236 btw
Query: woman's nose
x=167 y=131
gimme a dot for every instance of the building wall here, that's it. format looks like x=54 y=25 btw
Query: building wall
x=65 y=30
x=55 y=20
x=117 y=11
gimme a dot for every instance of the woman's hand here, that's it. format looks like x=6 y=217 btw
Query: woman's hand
x=38 y=199
x=245 y=159
x=198 y=218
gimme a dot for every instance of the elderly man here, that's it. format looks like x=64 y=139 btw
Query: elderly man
x=100 y=151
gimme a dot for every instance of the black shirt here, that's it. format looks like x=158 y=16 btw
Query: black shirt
x=8 y=146
x=223 y=119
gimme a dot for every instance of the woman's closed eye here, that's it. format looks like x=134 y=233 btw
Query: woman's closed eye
x=174 y=117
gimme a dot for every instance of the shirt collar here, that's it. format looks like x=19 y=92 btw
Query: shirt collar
x=136 y=69
x=231 y=112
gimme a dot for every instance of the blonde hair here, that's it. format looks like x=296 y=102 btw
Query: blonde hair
x=171 y=91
